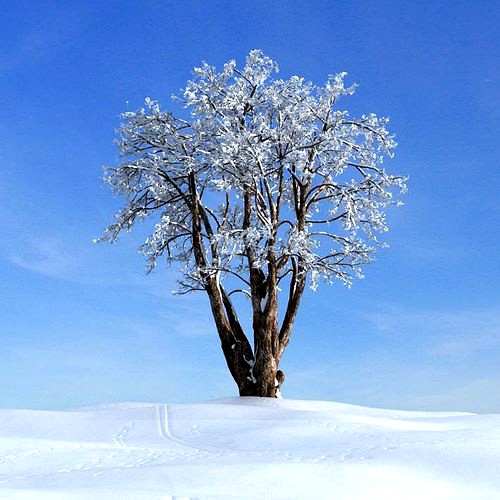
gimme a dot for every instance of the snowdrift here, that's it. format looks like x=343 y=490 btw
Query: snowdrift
x=248 y=448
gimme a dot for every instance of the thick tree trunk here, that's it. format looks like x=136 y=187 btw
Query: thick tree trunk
x=254 y=371
x=266 y=347
x=265 y=370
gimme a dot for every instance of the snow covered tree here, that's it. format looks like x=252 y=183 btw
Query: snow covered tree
x=266 y=184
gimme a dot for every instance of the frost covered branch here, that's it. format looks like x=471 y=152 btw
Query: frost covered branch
x=265 y=181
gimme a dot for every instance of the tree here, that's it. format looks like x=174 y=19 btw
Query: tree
x=266 y=184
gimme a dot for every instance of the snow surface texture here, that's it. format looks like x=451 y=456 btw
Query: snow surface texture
x=248 y=448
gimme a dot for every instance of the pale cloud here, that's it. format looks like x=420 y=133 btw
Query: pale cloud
x=421 y=249
x=455 y=333
x=190 y=317
x=480 y=395
x=385 y=381
x=45 y=256
x=83 y=263
x=80 y=261
x=414 y=359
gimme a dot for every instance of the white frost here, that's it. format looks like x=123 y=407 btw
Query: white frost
x=248 y=128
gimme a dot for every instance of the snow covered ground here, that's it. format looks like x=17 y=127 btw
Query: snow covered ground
x=248 y=448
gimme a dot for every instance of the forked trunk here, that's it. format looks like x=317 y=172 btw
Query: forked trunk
x=254 y=371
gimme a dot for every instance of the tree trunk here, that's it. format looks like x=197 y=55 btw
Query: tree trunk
x=255 y=372
x=265 y=370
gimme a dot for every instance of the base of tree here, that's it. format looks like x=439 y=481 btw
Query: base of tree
x=263 y=390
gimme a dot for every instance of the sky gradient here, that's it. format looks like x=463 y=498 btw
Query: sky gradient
x=81 y=324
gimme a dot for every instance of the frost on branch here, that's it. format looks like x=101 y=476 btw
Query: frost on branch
x=265 y=184
x=266 y=175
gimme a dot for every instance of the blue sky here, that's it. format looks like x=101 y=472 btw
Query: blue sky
x=81 y=324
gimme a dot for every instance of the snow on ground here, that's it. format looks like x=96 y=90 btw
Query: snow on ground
x=248 y=448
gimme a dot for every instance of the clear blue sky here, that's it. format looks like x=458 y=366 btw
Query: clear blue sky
x=81 y=324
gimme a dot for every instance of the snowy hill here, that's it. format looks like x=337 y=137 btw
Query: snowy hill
x=248 y=448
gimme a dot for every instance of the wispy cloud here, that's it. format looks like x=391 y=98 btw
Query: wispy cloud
x=84 y=263
x=422 y=359
x=190 y=317
x=45 y=256
x=422 y=250
x=455 y=333
x=477 y=395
